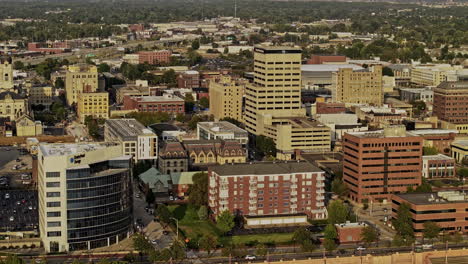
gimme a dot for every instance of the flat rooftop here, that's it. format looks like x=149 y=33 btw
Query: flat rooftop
x=159 y=98
x=434 y=198
x=60 y=149
x=437 y=157
x=423 y=132
x=329 y=67
x=264 y=168
x=222 y=127
x=302 y=122
x=127 y=128
x=351 y=225
x=463 y=142
x=379 y=134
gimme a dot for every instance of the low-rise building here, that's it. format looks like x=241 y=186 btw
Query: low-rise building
x=222 y=130
x=441 y=139
x=438 y=166
x=136 y=140
x=203 y=153
x=416 y=94
x=167 y=103
x=41 y=95
x=181 y=182
x=341 y=124
x=380 y=116
x=95 y=105
x=172 y=157
x=435 y=74
x=321 y=75
x=188 y=79
x=350 y=232
x=326 y=59
x=27 y=127
x=329 y=108
x=267 y=189
x=154 y=57
x=13 y=105
x=445 y=208
x=460 y=150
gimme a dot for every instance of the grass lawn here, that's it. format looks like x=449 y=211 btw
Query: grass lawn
x=276 y=238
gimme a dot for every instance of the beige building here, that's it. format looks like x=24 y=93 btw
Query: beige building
x=80 y=78
x=27 y=127
x=358 y=87
x=85 y=197
x=13 y=105
x=6 y=74
x=434 y=74
x=41 y=95
x=226 y=97
x=93 y=104
x=460 y=150
x=273 y=103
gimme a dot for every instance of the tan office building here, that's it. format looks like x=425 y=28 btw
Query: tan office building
x=6 y=74
x=435 y=74
x=226 y=97
x=273 y=103
x=93 y=104
x=85 y=195
x=358 y=87
x=80 y=78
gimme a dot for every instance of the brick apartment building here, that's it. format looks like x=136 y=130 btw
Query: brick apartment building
x=167 y=103
x=324 y=59
x=438 y=166
x=154 y=57
x=377 y=164
x=441 y=139
x=188 y=79
x=446 y=208
x=330 y=108
x=451 y=102
x=267 y=189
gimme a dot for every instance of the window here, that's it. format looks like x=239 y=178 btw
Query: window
x=52 y=184
x=54 y=234
x=53 y=194
x=53 y=224
x=53 y=214
x=53 y=204
x=52 y=174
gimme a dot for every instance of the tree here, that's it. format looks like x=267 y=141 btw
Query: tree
x=203 y=213
x=369 y=234
x=386 y=71
x=103 y=67
x=424 y=187
x=208 y=243
x=303 y=237
x=204 y=102
x=141 y=244
x=225 y=221
x=403 y=223
x=177 y=250
x=337 y=212
x=330 y=232
x=163 y=213
x=431 y=230
x=265 y=145
x=150 y=197
x=93 y=126
x=59 y=83
x=457 y=237
x=464 y=161
x=261 y=250
x=329 y=244
x=180 y=117
x=18 y=65
x=198 y=191
x=169 y=77
x=196 y=44
x=339 y=187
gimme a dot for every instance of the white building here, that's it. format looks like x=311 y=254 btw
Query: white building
x=221 y=130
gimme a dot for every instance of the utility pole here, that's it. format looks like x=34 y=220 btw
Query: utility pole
x=235 y=8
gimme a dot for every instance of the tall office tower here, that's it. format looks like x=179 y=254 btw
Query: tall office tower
x=226 y=97
x=273 y=104
x=377 y=164
x=80 y=78
x=358 y=87
x=85 y=195
x=6 y=74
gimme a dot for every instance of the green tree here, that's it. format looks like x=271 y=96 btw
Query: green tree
x=169 y=77
x=457 y=238
x=103 y=67
x=93 y=126
x=180 y=117
x=261 y=250
x=203 y=212
x=403 y=224
x=163 y=213
x=196 y=44
x=431 y=230
x=141 y=244
x=430 y=151
x=339 y=187
x=208 y=243
x=225 y=221
x=303 y=237
x=18 y=65
x=386 y=71
x=147 y=118
x=424 y=187
x=198 y=191
x=204 y=102
x=369 y=235
x=337 y=212
x=330 y=232
x=177 y=251
x=329 y=244
x=265 y=145
x=59 y=83
x=150 y=198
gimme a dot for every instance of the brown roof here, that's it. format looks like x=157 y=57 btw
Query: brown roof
x=262 y=168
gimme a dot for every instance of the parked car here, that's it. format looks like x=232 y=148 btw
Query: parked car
x=360 y=248
x=250 y=257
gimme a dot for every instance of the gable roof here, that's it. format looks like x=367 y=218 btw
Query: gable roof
x=153 y=176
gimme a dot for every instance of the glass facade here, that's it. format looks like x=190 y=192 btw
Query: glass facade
x=99 y=204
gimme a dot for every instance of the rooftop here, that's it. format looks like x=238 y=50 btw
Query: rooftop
x=222 y=127
x=351 y=225
x=462 y=142
x=442 y=197
x=128 y=127
x=164 y=98
x=329 y=67
x=60 y=149
x=437 y=157
x=423 y=132
x=388 y=132
x=263 y=168
x=302 y=122
x=454 y=85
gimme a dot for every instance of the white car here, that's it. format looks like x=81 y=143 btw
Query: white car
x=7 y=196
x=361 y=248
x=12 y=219
x=250 y=257
x=154 y=242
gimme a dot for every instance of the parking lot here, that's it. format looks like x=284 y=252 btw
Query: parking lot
x=18 y=210
x=15 y=168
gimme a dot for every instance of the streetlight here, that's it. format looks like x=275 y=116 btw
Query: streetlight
x=177 y=226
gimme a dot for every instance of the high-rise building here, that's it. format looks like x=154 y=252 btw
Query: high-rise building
x=137 y=140
x=85 y=195
x=358 y=87
x=377 y=164
x=273 y=103
x=80 y=78
x=6 y=74
x=93 y=104
x=226 y=97
x=451 y=102
x=267 y=189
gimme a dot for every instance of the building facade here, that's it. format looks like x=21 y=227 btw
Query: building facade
x=188 y=79
x=93 y=104
x=451 y=102
x=438 y=166
x=358 y=87
x=226 y=97
x=377 y=164
x=85 y=195
x=267 y=189
x=222 y=130
x=27 y=127
x=155 y=57
x=41 y=95
x=460 y=150
x=167 y=103
x=172 y=157
x=80 y=78
x=136 y=140
x=13 y=105
x=441 y=139
x=6 y=74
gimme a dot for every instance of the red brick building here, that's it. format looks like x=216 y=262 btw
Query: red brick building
x=154 y=57
x=330 y=108
x=451 y=101
x=377 y=164
x=45 y=48
x=441 y=139
x=136 y=27
x=438 y=166
x=323 y=59
x=349 y=232
x=267 y=188
x=166 y=103
x=448 y=209
x=188 y=79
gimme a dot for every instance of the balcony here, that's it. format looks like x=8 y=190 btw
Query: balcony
x=319 y=204
x=294 y=193
x=223 y=202
x=293 y=186
x=252 y=194
x=294 y=199
x=320 y=178
x=252 y=208
x=252 y=182
x=253 y=186
x=293 y=206
x=320 y=197
x=320 y=191
x=320 y=185
x=224 y=194
x=212 y=191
